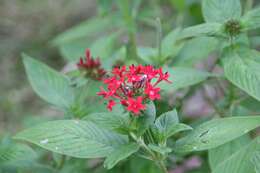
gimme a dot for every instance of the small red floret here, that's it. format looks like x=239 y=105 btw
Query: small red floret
x=110 y=105
x=152 y=92
x=135 y=105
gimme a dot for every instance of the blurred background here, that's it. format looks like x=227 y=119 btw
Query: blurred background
x=29 y=26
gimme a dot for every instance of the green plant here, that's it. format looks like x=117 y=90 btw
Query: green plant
x=152 y=130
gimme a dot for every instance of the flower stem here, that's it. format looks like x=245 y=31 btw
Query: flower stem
x=129 y=19
x=62 y=162
x=159 y=37
x=162 y=167
x=154 y=157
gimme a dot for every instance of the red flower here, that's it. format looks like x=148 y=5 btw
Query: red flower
x=110 y=104
x=91 y=67
x=135 y=105
x=163 y=76
x=133 y=86
x=150 y=72
x=153 y=93
x=119 y=71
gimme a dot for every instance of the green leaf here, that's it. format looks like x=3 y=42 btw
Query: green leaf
x=205 y=29
x=74 y=138
x=221 y=10
x=73 y=50
x=85 y=96
x=214 y=133
x=251 y=20
x=104 y=46
x=243 y=71
x=219 y=154
x=251 y=104
x=182 y=77
x=240 y=161
x=256 y=160
x=50 y=85
x=110 y=120
x=148 y=54
x=196 y=50
x=15 y=153
x=84 y=29
x=168 y=124
x=169 y=45
x=160 y=149
x=121 y=153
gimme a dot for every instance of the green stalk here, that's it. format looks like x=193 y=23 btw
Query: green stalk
x=159 y=37
x=157 y=160
x=162 y=166
x=248 y=5
x=131 y=28
x=62 y=162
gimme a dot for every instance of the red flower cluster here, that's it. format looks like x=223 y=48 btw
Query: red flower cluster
x=91 y=67
x=133 y=86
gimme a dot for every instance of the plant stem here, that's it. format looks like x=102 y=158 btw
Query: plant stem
x=63 y=159
x=162 y=166
x=142 y=144
x=159 y=36
x=248 y=5
x=150 y=136
x=131 y=28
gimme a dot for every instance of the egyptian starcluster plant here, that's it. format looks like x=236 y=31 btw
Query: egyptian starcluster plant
x=135 y=115
x=133 y=86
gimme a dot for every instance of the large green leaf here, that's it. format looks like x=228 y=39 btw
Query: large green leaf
x=15 y=152
x=196 y=50
x=221 y=10
x=219 y=154
x=121 y=153
x=167 y=125
x=205 y=29
x=111 y=120
x=251 y=20
x=81 y=139
x=84 y=29
x=240 y=161
x=183 y=77
x=244 y=72
x=50 y=85
x=216 y=132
